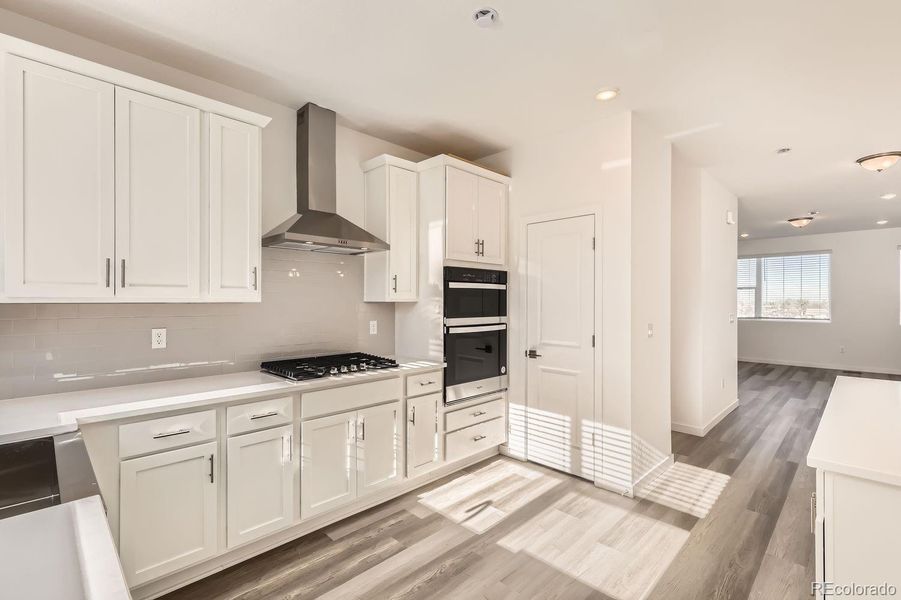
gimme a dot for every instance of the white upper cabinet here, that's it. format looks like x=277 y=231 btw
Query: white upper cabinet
x=391 y=214
x=157 y=197
x=109 y=194
x=58 y=235
x=234 y=209
x=476 y=209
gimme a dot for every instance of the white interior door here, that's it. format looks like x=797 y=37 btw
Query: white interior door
x=560 y=327
x=260 y=483
x=157 y=197
x=59 y=213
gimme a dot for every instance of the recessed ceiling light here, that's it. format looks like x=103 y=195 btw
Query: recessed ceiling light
x=881 y=222
x=485 y=17
x=744 y=235
x=889 y=196
x=607 y=94
x=785 y=150
x=879 y=162
x=800 y=222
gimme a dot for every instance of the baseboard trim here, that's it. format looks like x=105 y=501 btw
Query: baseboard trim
x=656 y=471
x=702 y=431
x=815 y=365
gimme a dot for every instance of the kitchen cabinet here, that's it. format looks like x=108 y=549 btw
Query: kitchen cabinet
x=122 y=189
x=168 y=508
x=349 y=455
x=260 y=488
x=423 y=436
x=391 y=214
x=157 y=197
x=378 y=448
x=476 y=212
x=233 y=150
x=328 y=472
x=60 y=207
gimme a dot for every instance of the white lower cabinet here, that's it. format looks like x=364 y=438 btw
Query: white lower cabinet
x=260 y=488
x=349 y=455
x=168 y=511
x=327 y=472
x=423 y=436
x=378 y=447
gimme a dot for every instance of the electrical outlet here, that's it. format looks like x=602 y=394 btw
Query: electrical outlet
x=158 y=338
x=841 y=349
x=373 y=327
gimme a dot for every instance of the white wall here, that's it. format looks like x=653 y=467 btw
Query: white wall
x=704 y=345
x=865 y=306
x=589 y=170
x=310 y=303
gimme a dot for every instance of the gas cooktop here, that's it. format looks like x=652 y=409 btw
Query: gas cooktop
x=314 y=367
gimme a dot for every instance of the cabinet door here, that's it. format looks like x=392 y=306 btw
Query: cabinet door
x=260 y=483
x=461 y=199
x=157 y=197
x=168 y=511
x=327 y=477
x=378 y=447
x=59 y=226
x=423 y=450
x=492 y=221
x=403 y=255
x=234 y=217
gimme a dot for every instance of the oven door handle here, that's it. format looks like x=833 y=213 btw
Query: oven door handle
x=453 y=330
x=461 y=285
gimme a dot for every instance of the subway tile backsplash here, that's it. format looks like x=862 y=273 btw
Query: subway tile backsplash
x=312 y=303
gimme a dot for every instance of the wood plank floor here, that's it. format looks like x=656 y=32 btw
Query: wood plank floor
x=503 y=529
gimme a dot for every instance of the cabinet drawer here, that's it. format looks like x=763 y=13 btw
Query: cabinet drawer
x=424 y=383
x=470 y=440
x=351 y=397
x=168 y=432
x=259 y=415
x=474 y=414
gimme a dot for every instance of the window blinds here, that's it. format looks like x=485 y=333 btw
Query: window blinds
x=793 y=286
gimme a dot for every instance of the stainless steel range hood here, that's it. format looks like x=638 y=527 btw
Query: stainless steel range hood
x=317 y=227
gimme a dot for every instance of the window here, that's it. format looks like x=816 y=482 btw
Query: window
x=792 y=286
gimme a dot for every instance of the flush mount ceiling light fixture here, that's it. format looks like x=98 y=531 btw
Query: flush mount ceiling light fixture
x=879 y=162
x=744 y=235
x=800 y=222
x=485 y=17
x=785 y=150
x=889 y=196
x=881 y=222
x=608 y=93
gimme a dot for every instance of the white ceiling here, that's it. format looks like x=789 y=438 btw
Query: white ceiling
x=730 y=82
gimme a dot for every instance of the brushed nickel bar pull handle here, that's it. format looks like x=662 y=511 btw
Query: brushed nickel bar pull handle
x=255 y=279
x=477 y=246
x=427 y=383
x=479 y=413
x=481 y=247
x=108 y=260
x=212 y=469
x=263 y=415
x=363 y=430
x=122 y=283
x=478 y=438
x=167 y=434
x=413 y=419
x=395 y=284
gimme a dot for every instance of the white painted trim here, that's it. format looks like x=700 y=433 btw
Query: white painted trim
x=387 y=159
x=447 y=160
x=174 y=581
x=648 y=478
x=816 y=365
x=612 y=487
x=123 y=79
x=702 y=431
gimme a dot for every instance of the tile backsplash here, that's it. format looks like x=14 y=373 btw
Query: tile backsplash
x=312 y=303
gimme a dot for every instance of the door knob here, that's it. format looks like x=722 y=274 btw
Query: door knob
x=532 y=354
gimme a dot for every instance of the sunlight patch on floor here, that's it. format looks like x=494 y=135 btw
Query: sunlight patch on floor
x=686 y=488
x=483 y=498
x=601 y=542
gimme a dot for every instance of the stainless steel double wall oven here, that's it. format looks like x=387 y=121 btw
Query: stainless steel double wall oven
x=475 y=332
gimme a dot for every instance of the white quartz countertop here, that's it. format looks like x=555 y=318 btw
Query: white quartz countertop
x=52 y=414
x=860 y=432
x=63 y=552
